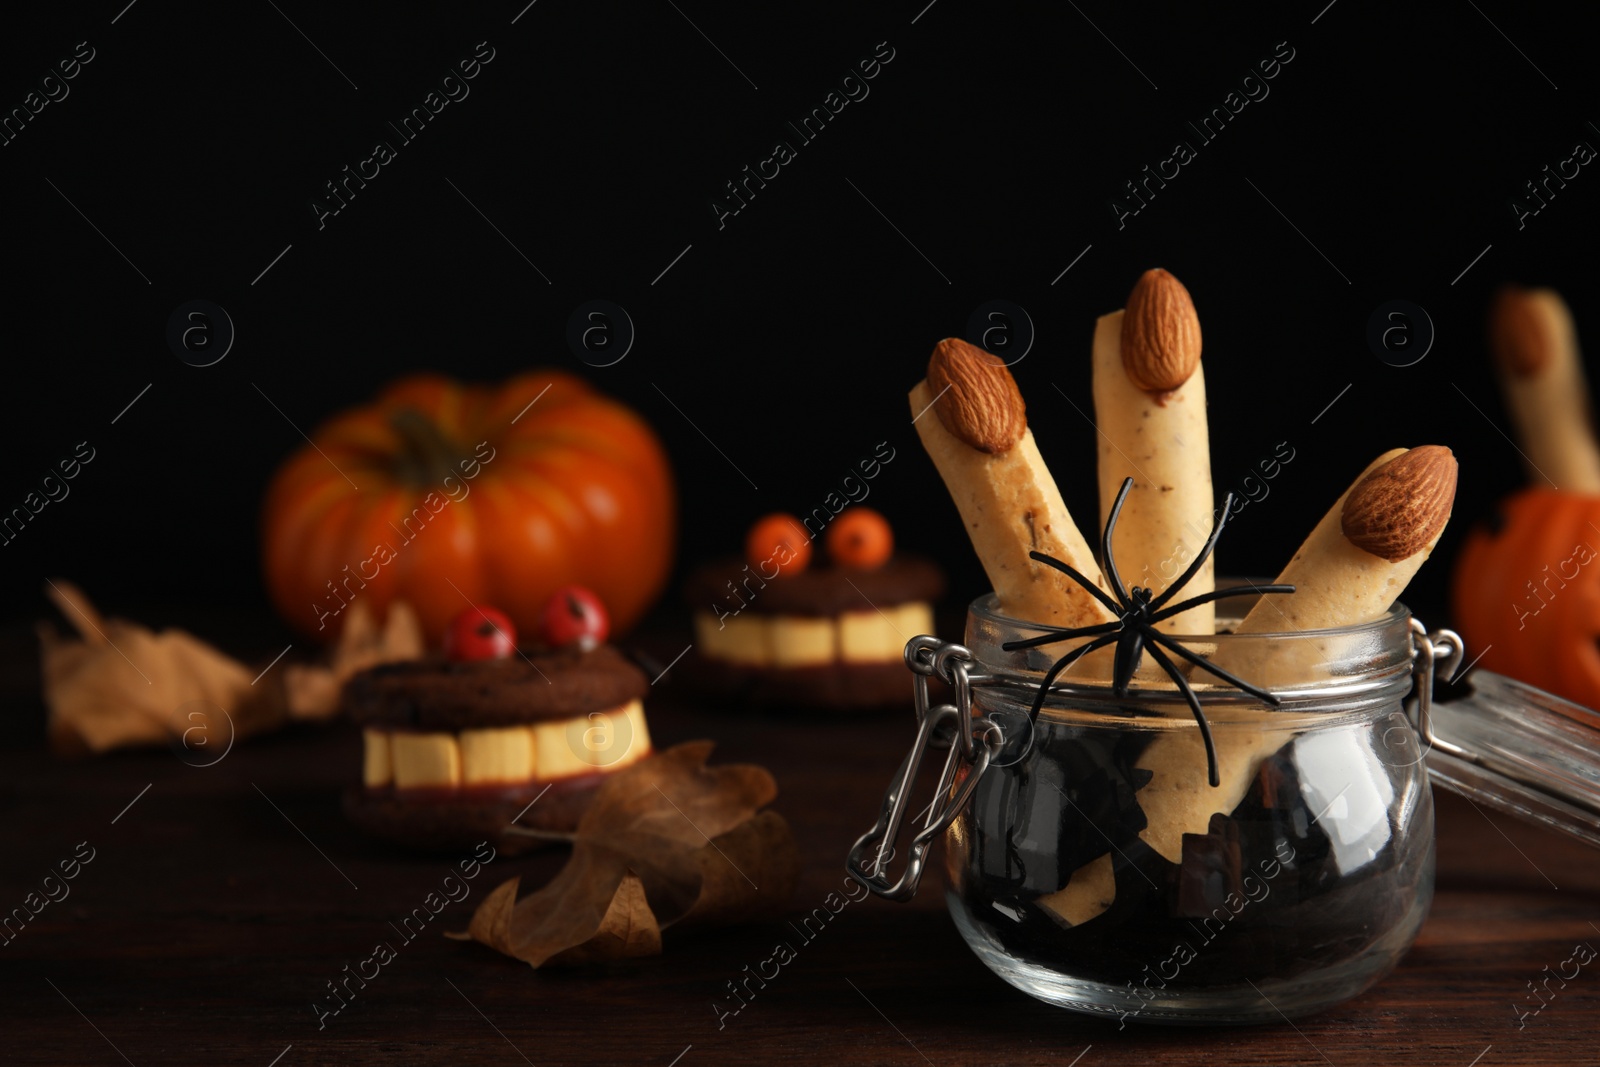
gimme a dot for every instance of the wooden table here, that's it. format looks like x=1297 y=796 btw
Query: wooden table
x=221 y=900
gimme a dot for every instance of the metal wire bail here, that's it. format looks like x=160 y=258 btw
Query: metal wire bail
x=976 y=746
x=1433 y=654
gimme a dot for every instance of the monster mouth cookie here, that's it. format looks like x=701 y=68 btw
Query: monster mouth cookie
x=458 y=745
x=774 y=629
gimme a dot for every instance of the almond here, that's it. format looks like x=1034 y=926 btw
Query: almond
x=1399 y=509
x=975 y=396
x=1160 y=334
x=1521 y=335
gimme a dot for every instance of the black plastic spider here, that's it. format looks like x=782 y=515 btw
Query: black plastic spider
x=1134 y=632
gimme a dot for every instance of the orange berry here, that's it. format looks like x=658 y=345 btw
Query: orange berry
x=860 y=539
x=778 y=541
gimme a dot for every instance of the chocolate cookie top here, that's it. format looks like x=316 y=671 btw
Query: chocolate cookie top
x=816 y=590
x=439 y=694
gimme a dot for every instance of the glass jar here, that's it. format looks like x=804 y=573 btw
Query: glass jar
x=1090 y=862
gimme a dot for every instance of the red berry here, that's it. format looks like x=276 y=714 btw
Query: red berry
x=574 y=616
x=478 y=634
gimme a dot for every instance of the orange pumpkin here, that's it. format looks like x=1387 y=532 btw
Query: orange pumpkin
x=1527 y=592
x=441 y=494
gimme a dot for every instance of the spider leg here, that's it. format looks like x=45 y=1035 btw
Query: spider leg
x=1100 y=594
x=1194 y=568
x=1062 y=664
x=1105 y=542
x=1219 y=594
x=1204 y=664
x=1062 y=635
x=1194 y=705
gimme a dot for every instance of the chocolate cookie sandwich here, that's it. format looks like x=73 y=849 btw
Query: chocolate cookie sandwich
x=459 y=746
x=773 y=629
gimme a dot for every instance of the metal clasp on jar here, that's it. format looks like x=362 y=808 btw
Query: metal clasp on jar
x=973 y=743
x=1431 y=654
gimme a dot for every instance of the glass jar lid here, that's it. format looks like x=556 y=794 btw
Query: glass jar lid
x=1520 y=750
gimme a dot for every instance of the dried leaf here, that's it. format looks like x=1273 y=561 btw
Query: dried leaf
x=123 y=684
x=491 y=923
x=567 y=912
x=747 y=873
x=119 y=683
x=662 y=811
x=627 y=929
x=667 y=840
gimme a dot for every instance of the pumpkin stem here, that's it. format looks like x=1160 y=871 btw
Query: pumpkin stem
x=427 y=456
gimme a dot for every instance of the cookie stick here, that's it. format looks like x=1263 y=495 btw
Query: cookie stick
x=1350 y=570
x=1150 y=408
x=1367 y=547
x=977 y=434
x=1541 y=375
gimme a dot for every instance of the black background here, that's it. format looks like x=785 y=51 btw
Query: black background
x=596 y=140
